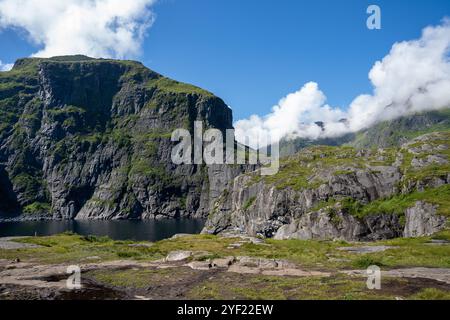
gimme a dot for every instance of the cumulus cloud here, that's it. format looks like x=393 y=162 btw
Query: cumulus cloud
x=413 y=77
x=5 y=66
x=97 y=28
x=295 y=114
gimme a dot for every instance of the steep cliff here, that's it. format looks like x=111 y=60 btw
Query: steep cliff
x=90 y=138
x=326 y=192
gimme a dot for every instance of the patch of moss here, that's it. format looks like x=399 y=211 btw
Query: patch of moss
x=259 y=287
x=169 y=85
x=249 y=203
x=397 y=204
x=299 y=171
x=431 y=294
x=366 y=261
x=437 y=141
x=37 y=207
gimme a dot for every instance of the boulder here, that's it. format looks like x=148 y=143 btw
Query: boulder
x=180 y=255
x=223 y=262
x=422 y=220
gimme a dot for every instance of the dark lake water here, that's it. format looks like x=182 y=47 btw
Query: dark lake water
x=151 y=230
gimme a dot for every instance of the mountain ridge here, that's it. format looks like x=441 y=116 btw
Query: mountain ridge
x=384 y=134
x=84 y=138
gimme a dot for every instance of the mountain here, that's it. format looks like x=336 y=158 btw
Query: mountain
x=290 y=146
x=90 y=139
x=384 y=134
x=327 y=192
x=84 y=138
x=398 y=131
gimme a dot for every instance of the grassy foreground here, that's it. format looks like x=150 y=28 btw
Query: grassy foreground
x=310 y=255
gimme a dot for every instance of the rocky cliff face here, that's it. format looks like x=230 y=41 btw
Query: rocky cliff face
x=344 y=193
x=90 y=139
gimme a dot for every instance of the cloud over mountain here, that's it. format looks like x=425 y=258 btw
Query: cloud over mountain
x=413 y=77
x=5 y=66
x=97 y=28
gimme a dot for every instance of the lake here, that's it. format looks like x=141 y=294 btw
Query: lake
x=150 y=230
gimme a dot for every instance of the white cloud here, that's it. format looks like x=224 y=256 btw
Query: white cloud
x=97 y=28
x=5 y=66
x=413 y=77
x=295 y=114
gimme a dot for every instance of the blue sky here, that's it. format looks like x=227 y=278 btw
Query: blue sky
x=252 y=53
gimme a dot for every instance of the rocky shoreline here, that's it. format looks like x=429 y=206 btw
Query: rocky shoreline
x=22 y=218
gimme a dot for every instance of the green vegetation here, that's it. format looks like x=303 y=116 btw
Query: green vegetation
x=306 y=169
x=307 y=253
x=37 y=207
x=431 y=294
x=248 y=203
x=172 y=86
x=257 y=287
x=87 y=122
x=231 y=286
x=144 y=168
x=365 y=261
x=434 y=144
x=396 y=204
x=70 y=248
x=439 y=196
x=140 y=278
x=398 y=131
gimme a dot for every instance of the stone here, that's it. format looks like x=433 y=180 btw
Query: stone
x=141 y=245
x=366 y=249
x=180 y=255
x=92 y=258
x=223 y=262
x=438 y=274
x=294 y=273
x=342 y=226
x=180 y=235
x=422 y=220
x=199 y=265
x=234 y=245
x=257 y=262
x=436 y=242
x=9 y=243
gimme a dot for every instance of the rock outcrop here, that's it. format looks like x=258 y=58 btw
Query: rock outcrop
x=422 y=220
x=343 y=193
